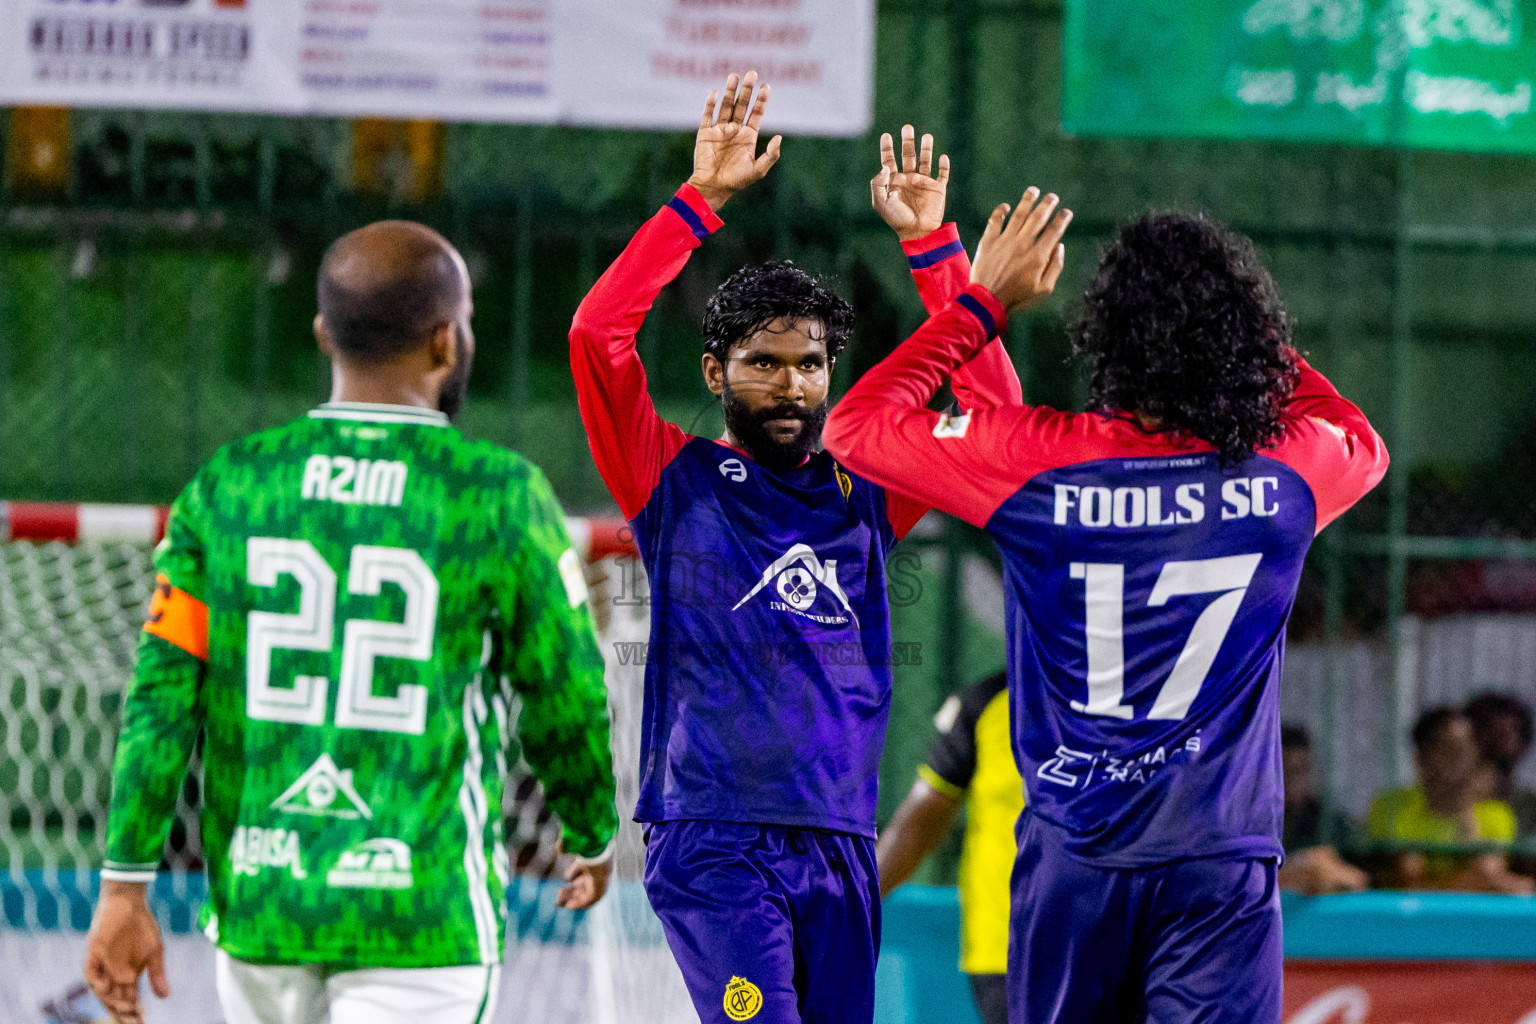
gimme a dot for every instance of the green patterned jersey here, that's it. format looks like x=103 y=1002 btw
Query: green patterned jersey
x=345 y=607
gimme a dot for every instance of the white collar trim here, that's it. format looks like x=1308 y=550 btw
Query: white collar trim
x=374 y=412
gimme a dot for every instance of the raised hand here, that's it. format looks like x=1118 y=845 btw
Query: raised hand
x=1019 y=261
x=725 y=158
x=910 y=200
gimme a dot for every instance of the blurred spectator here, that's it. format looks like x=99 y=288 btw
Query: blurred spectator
x=1312 y=862
x=1444 y=809
x=1504 y=729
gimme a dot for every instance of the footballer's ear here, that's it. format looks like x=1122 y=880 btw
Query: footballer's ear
x=443 y=348
x=323 y=338
x=714 y=373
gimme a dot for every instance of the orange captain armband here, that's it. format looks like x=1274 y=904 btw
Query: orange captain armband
x=177 y=617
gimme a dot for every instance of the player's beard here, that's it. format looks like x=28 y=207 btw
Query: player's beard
x=774 y=455
x=456 y=387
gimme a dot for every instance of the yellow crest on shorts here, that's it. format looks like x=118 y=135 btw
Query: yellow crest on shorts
x=742 y=999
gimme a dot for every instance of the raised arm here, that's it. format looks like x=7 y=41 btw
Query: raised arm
x=1331 y=444
x=631 y=443
x=963 y=465
x=911 y=200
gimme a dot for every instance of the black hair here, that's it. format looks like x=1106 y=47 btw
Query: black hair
x=1183 y=324
x=756 y=296
x=1490 y=705
x=1295 y=737
x=1428 y=726
x=380 y=299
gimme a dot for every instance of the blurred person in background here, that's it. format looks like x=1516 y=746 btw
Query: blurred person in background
x=1444 y=808
x=1312 y=862
x=1503 y=727
x=970 y=763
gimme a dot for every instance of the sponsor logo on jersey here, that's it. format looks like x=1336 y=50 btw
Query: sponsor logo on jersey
x=317 y=791
x=374 y=864
x=952 y=426
x=797 y=577
x=253 y=849
x=742 y=999
x=733 y=470
x=1070 y=767
x=349 y=481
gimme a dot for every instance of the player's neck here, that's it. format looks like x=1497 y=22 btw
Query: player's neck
x=382 y=389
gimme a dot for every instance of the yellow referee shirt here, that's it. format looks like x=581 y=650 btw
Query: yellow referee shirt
x=971 y=759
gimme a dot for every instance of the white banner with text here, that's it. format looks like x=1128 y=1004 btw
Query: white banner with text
x=619 y=63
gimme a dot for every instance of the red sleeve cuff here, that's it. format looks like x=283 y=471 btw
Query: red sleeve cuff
x=934 y=247
x=984 y=308
x=695 y=212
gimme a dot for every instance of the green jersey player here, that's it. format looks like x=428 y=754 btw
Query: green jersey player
x=344 y=607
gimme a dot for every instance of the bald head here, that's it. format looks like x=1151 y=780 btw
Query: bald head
x=385 y=288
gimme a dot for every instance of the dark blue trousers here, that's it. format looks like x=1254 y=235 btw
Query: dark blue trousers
x=770 y=924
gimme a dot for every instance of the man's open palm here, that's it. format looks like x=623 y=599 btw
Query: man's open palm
x=725 y=158
x=910 y=198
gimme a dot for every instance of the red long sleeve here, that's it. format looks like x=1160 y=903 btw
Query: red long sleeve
x=883 y=430
x=1331 y=444
x=630 y=443
x=942 y=270
x=969 y=465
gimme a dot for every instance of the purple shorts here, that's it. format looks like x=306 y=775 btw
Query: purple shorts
x=772 y=924
x=1191 y=942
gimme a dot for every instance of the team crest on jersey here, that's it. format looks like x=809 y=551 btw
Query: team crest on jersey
x=742 y=999
x=318 y=791
x=733 y=470
x=952 y=426
x=374 y=864
x=844 y=481
x=798 y=576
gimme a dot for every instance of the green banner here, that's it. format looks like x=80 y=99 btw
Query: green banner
x=1424 y=74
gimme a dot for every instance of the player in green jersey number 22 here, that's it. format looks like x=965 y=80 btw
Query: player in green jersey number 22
x=346 y=605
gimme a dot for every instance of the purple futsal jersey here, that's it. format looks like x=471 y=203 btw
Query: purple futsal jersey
x=1147 y=589
x=768 y=674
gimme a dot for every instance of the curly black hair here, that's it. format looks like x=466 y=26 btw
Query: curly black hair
x=1183 y=325
x=756 y=296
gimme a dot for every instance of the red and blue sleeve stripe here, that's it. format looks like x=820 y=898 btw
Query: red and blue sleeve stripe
x=924 y=260
x=695 y=212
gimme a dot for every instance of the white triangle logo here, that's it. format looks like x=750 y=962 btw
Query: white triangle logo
x=798 y=572
x=316 y=792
